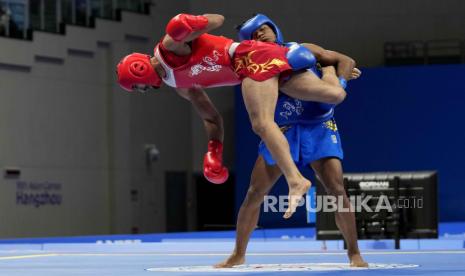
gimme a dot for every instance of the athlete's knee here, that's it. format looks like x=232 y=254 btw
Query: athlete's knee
x=334 y=188
x=255 y=195
x=259 y=124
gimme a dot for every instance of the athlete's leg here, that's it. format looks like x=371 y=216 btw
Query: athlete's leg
x=307 y=86
x=262 y=179
x=260 y=101
x=329 y=171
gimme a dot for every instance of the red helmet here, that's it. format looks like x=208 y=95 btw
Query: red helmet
x=136 y=69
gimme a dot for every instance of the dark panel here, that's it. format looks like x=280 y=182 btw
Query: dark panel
x=176 y=200
x=215 y=204
x=413 y=196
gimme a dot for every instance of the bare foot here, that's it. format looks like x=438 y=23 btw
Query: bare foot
x=296 y=192
x=233 y=260
x=356 y=260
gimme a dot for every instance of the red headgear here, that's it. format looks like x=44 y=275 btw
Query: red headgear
x=136 y=69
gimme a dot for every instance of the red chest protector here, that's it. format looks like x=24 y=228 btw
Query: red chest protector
x=209 y=64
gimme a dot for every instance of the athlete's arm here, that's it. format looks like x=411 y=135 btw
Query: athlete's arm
x=344 y=64
x=212 y=119
x=214 y=21
x=184 y=28
x=213 y=168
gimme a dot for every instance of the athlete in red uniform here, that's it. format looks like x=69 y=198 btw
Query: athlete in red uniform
x=189 y=60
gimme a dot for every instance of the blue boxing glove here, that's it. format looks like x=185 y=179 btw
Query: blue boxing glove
x=299 y=57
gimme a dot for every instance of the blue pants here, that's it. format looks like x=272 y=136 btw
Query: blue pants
x=309 y=142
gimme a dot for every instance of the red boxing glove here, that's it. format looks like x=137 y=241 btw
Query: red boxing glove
x=213 y=168
x=182 y=25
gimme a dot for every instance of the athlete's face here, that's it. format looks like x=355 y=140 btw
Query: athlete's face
x=142 y=88
x=264 y=34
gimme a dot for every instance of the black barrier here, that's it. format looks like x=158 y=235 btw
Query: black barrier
x=387 y=206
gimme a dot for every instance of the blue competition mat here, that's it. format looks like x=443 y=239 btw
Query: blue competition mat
x=197 y=258
x=270 y=252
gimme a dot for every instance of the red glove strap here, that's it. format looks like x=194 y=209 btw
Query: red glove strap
x=216 y=147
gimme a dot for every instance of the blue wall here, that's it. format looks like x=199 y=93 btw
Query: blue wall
x=394 y=119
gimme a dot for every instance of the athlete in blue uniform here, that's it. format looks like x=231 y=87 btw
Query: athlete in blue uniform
x=313 y=138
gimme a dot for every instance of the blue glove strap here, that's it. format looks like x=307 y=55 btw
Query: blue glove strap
x=343 y=82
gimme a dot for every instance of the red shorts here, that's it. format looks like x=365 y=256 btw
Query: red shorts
x=261 y=60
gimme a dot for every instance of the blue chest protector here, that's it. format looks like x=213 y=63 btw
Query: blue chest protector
x=292 y=111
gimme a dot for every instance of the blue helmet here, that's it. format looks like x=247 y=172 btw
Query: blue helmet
x=247 y=29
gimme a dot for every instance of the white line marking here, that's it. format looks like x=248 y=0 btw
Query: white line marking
x=222 y=254
x=260 y=254
x=27 y=256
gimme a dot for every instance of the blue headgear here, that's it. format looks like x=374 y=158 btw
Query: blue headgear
x=250 y=26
